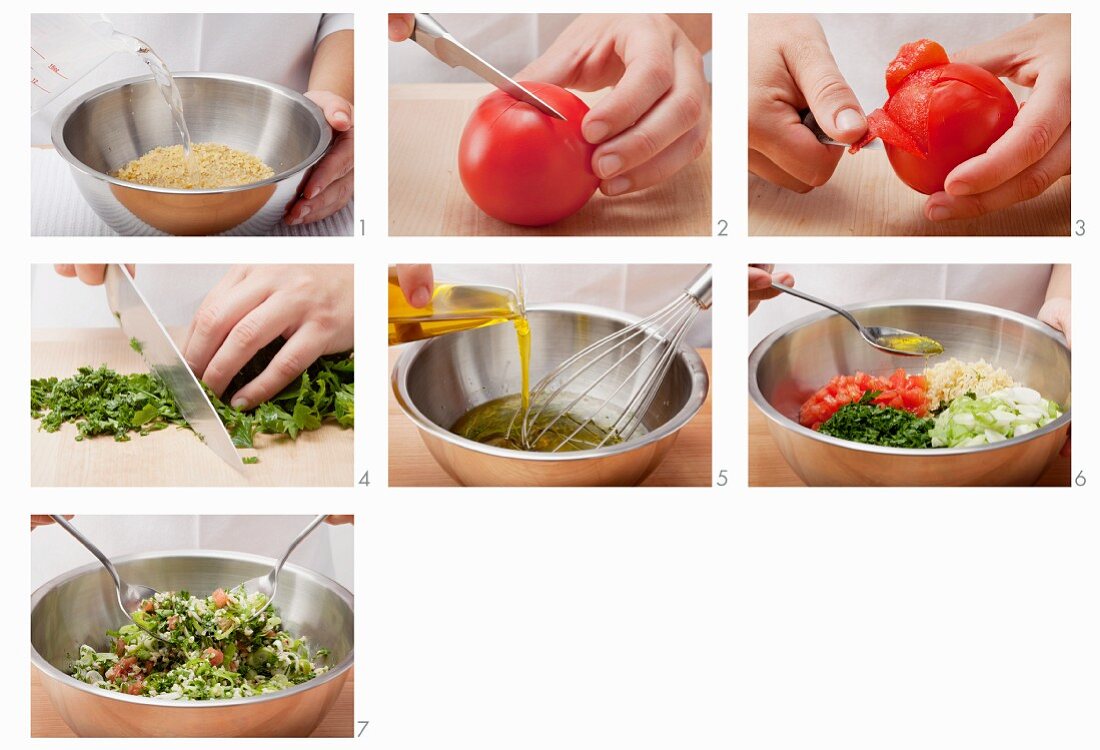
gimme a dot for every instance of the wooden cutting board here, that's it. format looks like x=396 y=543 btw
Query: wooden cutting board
x=46 y=722
x=170 y=457
x=768 y=468
x=865 y=197
x=427 y=198
x=688 y=464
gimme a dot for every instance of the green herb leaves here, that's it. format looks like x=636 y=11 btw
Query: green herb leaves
x=879 y=425
x=103 y=402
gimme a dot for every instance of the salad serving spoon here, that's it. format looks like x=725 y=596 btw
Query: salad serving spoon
x=129 y=595
x=268 y=584
x=887 y=339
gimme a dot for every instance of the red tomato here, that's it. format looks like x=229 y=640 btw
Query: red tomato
x=939 y=114
x=898 y=391
x=522 y=166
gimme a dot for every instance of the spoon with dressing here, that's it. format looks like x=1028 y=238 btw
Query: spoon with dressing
x=884 y=338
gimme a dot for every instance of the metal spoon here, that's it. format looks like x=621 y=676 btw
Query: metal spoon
x=890 y=340
x=269 y=583
x=130 y=596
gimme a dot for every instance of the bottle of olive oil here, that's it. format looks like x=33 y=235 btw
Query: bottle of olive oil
x=453 y=307
x=461 y=307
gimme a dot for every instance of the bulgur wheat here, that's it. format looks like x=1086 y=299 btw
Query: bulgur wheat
x=218 y=166
x=953 y=378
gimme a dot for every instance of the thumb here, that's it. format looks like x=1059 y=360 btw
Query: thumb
x=338 y=110
x=995 y=56
x=416 y=282
x=829 y=97
x=548 y=68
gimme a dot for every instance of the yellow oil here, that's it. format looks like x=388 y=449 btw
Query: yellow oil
x=914 y=344
x=498 y=423
x=460 y=307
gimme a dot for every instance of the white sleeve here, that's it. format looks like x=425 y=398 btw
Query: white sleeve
x=331 y=22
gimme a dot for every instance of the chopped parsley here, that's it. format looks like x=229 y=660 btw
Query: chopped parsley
x=103 y=402
x=864 y=422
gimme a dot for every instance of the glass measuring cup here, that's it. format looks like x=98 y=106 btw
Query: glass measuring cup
x=65 y=47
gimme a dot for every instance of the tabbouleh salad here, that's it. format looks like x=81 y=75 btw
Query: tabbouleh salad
x=212 y=648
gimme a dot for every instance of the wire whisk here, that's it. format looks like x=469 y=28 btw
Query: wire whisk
x=613 y=381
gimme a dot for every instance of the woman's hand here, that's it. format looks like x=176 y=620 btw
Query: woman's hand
x=332 y=182
x=312 y=307
x=656 y=119
x=792 y=69
x=92 y=274
x=416 y=282
x=37 y=521
x=760 y=281
x=339 y=520
x=1035 y=152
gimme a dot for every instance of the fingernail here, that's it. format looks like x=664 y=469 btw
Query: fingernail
x=303 y=212
x=421 y=296
x=618 y=185
x=340 y=119
x=849 y=119
x=313 y=192
x=609 y=165
x=595 y=131
x=939 y=213
x=958 y=187
x=398 y=27
x=238 y=403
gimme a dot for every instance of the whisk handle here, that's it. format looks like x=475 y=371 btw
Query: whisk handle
x=699 y=288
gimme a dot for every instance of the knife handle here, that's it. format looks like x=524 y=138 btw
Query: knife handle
x=427 y=32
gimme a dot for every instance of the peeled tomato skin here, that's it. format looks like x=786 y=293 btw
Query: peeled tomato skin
x=963 y=122
x=968 y=109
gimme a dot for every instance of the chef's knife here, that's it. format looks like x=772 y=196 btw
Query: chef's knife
x=430 y=34
x=148 y=337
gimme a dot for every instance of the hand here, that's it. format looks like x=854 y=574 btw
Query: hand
x=1032 y=154
x=340 y=520
x=90 y=273
x=791 y=69
x=416 y=283
x=332 y=181
x=312 y=307
x=401 y=26
x=656 y=119
x=760 y=280
x=1056 y=312
x=37 y=521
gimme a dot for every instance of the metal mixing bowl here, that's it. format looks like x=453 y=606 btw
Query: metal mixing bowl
x=80 y=607
x=438 y=380
x=110 y=126
x=791 y=364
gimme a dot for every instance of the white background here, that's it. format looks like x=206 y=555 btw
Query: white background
x=714 y=618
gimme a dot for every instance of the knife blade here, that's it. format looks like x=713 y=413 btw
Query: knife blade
x=430 y=34
x=151 y=340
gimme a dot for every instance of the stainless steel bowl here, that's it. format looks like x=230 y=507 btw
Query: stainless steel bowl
x=79 y=607
x=439 y=380
x=110 y=126
x=791 y=364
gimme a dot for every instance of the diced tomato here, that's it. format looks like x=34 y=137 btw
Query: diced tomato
x=214 y=655
x=220 y=598
x=898 y=391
